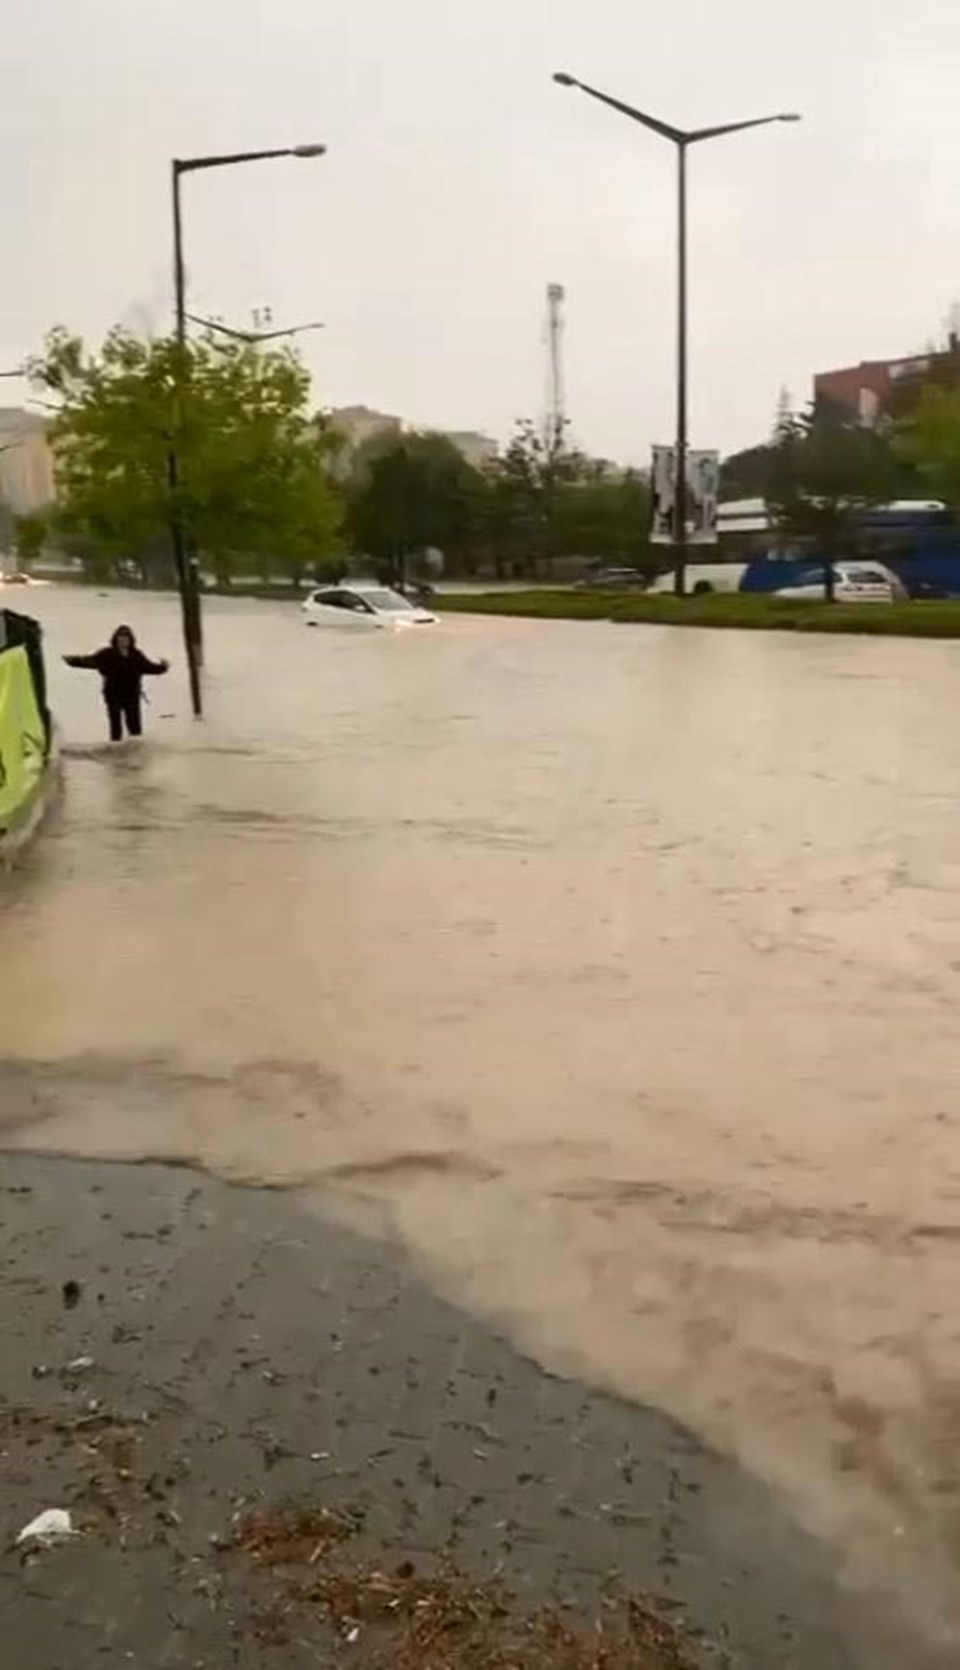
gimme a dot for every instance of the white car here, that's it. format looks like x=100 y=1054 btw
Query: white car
x=360 y=607
x=854 y=582
x=16 y=578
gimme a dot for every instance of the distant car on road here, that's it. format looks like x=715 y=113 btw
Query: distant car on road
x=360 y=607
x=17 y=578
x=612 y=579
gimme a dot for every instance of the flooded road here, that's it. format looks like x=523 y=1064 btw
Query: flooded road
x=617 y=967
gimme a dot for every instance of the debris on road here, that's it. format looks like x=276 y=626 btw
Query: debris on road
x=79 y=1365
x=50 y=1527
x=436 y=1617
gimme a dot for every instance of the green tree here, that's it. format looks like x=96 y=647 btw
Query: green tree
x=412 y=494
x=254 y=492
x=29 y=538
x=929 y=441
x=746 y=475
x=823 y=473
x=527 y=483
x=604 y=519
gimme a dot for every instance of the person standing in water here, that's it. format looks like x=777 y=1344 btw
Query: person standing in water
x=122 y=666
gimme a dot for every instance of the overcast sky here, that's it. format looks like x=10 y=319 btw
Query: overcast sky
x=460 y=181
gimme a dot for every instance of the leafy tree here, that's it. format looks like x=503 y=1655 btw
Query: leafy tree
x=823 y=473
x=254 y=490
x=516 y=509
x=526 y=487
x=29 y=538
x=929 y=440
x=412 y=494
x=605 y=519
x=746 y=475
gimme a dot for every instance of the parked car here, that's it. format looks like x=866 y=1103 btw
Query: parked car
x=362 y=607
x=853 y=582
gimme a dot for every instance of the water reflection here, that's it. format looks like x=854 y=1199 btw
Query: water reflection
x=617 y=965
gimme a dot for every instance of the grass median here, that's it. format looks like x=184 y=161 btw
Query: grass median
x=748 y=611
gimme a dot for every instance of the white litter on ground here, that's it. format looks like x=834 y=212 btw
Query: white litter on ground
x=52 y=1526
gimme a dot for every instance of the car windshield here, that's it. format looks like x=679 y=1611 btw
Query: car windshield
x=384 y=600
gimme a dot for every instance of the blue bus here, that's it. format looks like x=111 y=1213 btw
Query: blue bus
x=917 y=539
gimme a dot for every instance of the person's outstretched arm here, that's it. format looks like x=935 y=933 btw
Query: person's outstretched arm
x=88 y=663
x=155 y=667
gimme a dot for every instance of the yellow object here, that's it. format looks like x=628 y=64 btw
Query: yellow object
x=22 y=748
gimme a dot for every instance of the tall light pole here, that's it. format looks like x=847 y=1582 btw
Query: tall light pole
x=683 y=139
x=186 y=561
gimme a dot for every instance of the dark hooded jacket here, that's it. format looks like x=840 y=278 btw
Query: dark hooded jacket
x=122 y=674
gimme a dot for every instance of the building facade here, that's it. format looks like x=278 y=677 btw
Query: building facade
x=26 y=462
x=479 y=450
x=868 y=392
x=359 y=424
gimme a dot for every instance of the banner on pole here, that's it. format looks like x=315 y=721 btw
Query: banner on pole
x=703 y=486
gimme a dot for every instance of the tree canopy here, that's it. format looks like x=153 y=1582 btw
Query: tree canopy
x=261 y=492
x=823 y=472
x=546 y=500
x=253 y=492
x=929 y=440
x=29 y=538
x=604 y=518
x=411 y=494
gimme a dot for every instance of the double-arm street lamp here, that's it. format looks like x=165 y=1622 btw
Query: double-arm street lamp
x=683 y=139
x=253 y=337
x=187 y=564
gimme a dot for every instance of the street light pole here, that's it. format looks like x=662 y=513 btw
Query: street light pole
x=188 y=579
x=682 y=138
x=186 y=558
x=680 y=449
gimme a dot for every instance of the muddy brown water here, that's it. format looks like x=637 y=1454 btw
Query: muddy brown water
x=616 y=968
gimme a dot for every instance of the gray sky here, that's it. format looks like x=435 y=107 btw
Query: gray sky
x=460 y=181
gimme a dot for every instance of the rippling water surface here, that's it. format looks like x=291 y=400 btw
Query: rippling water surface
x=619 y=966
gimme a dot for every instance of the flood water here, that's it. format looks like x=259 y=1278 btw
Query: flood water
x=617 y=966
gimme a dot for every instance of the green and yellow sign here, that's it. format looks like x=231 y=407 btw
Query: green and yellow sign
x=22 y=750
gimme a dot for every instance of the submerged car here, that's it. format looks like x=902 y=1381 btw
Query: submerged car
x=360 y=607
